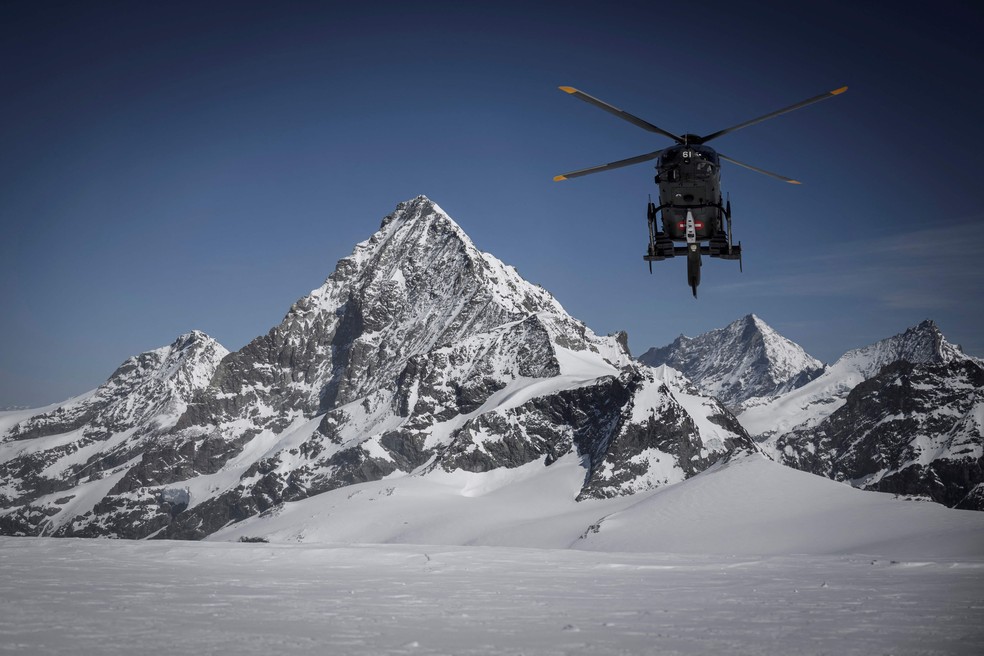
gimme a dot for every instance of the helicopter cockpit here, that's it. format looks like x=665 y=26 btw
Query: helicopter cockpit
x=687 y=163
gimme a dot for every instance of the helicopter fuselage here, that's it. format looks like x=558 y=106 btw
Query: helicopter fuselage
x=689 y=180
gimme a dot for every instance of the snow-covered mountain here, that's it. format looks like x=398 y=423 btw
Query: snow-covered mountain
x=912 y=429
x=809 y=404
x=420 y=355
x=59 y=460
x=745 y=359
x=903 y=415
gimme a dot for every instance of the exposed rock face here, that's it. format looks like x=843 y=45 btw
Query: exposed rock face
x=416 y=284
x=807 y=406
x=418 y=354
x=903 y=415
x=669 y=432
x=743 y=360
x=912 y=429
x=88 y=442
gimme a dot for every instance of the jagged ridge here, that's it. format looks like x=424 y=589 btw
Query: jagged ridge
x=418 y=354
x=743 y=360
x=87 y=440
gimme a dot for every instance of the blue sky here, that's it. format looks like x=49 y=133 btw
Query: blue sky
x=170 y=166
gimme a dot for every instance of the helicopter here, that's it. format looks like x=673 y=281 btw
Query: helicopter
x=688 y=175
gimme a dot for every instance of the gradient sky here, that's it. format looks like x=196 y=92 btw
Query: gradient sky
x=169 y=166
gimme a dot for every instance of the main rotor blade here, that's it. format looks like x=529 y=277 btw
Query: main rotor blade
x=634 y=120
x=809 y=101
x=607 y=167
x=758 y=170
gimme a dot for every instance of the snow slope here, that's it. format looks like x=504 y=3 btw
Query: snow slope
x=747 y=557
x=752 y=505
x=748 y=506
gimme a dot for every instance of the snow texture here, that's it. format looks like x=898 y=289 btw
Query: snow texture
x=748 y=557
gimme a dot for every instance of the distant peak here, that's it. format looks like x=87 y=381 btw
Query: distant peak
x=926 y=327
x=193 y=341
x=755 y=321
x=191 y=338
x=922 y=343
x=418 y=202
x=745 y=359
x=417 y=207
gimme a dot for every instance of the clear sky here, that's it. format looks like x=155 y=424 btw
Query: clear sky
x=169 y=166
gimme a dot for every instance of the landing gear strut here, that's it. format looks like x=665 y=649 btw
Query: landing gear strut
x=720 y=244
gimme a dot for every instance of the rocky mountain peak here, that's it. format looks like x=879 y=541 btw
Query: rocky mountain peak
x=745 y=359
x=152 y=387
x=923 y=343
x=188 y=363
x=807 y=406
x=421 y=257
x=416 y=284
x=912 y=428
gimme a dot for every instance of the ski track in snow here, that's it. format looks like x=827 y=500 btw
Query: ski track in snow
x=107 y=597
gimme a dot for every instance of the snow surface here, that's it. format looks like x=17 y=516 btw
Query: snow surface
x=748 y=557
x=106 y=597
x=748 y=506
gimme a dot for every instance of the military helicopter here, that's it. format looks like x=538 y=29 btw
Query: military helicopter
x=689 y=180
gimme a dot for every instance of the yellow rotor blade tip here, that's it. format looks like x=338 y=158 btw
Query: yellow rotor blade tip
x=568 y=89
x=837 y=92
x=558 y=178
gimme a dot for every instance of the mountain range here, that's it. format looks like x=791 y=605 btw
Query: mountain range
x=902 y=415
x=421 y=357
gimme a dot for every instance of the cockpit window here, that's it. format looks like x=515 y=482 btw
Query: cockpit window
x=708 y=155
x=704 y=168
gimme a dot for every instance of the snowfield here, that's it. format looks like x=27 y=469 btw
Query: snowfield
x=748 y=557
x=102 y=597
